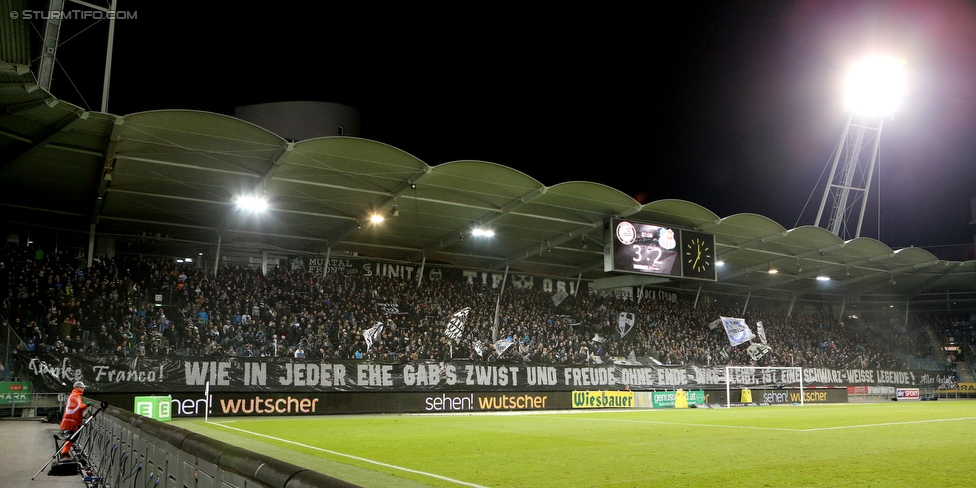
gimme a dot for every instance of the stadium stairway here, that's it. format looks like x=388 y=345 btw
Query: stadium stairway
x=965 y=373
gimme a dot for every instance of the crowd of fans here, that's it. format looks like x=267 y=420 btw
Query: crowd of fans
x=55 y=303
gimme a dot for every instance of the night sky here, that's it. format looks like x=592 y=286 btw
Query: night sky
x=734 y=105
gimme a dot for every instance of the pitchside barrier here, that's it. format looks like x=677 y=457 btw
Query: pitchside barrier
x=238 y=404
x=131 y=450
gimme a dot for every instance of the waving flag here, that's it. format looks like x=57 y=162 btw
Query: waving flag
x=502 y=345
x=762 y=333
x=559 y=297
x=626 y=323
x=372 y=335
x=737 y=330
x=757 y=351
x=455 y=324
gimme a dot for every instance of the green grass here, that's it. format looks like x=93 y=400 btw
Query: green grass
x=877 y=445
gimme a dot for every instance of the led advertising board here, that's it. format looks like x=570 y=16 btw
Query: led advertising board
x=655 y=249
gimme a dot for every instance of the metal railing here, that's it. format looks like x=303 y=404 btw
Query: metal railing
x=121 y=448
x=38 y=405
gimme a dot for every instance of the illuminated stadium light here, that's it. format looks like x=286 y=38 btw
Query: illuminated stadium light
x=376 y=218
x=252 y=203
x=875 y=86
x=479 y=232
x=823 y=278
x=874 y=89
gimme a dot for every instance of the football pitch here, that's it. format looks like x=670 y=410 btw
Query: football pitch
x=862 y=444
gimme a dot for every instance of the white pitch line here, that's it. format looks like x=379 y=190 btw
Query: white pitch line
x=751 y=427
x=687 y=424
x=334 y=453
x=911 y=422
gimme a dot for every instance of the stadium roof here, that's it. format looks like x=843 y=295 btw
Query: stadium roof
x=169 y=179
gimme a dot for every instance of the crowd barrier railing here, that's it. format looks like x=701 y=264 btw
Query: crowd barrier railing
x=126 y=449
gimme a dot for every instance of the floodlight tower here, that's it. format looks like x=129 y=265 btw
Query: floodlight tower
x=873 y=90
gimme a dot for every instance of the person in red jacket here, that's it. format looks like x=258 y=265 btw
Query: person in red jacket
x=74 y=411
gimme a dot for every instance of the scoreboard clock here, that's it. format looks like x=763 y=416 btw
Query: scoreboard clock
x=697 y=255
x=646 y=248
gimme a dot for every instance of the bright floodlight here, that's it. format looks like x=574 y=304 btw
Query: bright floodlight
x=479 y=232
x=376 y=218
x=252 y=204
x=875 y=86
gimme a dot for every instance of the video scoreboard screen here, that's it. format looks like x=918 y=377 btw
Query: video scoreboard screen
x=646 y=248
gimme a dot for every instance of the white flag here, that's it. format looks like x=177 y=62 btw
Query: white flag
x=455 y=324
x=372 y=335
x=737 y=330
x=761 y=332
x=559 y=297
x=502 y=345
x=757 y=351
x=478 y=349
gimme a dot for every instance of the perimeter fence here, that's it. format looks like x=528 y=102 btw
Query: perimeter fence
x=122 y=449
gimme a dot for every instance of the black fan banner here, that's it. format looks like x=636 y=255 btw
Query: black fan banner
x=110 y=374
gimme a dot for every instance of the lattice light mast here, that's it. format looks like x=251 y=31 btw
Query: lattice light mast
x=874 y=88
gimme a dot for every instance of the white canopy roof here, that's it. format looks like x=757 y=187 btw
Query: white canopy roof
x=168 y=179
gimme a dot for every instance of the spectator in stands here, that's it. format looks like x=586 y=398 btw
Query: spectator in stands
x=297 y=307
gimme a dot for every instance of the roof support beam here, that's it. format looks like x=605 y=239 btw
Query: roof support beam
x=455 y=237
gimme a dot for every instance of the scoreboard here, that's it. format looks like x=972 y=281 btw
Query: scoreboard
x=647 y=248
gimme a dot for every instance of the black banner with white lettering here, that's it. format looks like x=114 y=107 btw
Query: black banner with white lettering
x=110 y=374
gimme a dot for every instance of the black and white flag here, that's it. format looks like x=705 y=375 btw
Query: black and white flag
x=455 y=324
x=757 y=351
x=372 y=335
x=502 y=345
x=394 y=308
x=761 y=332
x=570 y=320
x=626 y=324
x=478 y=349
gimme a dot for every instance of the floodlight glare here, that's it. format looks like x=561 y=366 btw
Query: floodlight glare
x=252 y=204
x=875 y=86
x=376 y=218
x=482 y=232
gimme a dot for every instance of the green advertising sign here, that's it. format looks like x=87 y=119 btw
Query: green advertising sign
x=665 y=399
x=13 y=392
x=154 y=407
